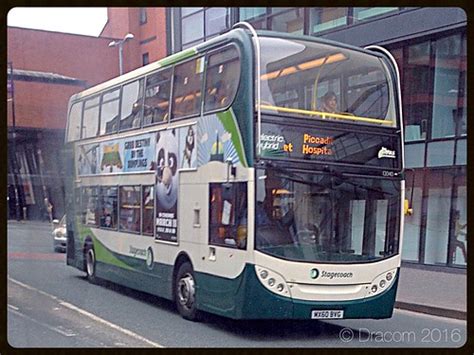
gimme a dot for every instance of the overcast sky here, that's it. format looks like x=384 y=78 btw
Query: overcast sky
x=80 y=20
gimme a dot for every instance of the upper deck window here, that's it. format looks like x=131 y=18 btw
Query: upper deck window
x=109 y=113
x=320 y=81
x=157 y=97
x=132 y=95
x=75 y=115
x=222 y=78
x=90 y=121
x=187 y=88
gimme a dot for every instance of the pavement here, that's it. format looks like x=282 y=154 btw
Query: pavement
x=440 y=293
x=435 y=292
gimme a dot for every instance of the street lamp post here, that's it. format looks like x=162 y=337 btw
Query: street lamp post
x=119 y=43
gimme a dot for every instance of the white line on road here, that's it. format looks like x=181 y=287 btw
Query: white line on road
x=89 y=315
x=13 y=307
x=57 y=330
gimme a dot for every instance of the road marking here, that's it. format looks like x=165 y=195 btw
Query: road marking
x=13 y=307
x=59 y=330
x=89 y=315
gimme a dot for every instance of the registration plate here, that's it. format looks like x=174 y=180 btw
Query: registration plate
x=327 y=314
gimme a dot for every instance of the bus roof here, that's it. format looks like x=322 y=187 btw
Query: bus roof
x=201 y=47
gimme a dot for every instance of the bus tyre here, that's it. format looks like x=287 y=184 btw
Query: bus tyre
x=185 y=292
x=91 y=264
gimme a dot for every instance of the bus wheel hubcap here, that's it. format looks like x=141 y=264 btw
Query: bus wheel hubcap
x=186 y=291
x=90 y=262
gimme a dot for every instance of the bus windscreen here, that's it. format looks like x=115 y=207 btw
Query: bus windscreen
x=319 y=81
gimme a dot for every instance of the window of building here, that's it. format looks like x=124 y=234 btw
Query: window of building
x=190 y=10
x=291 y=21
x=250 y=13
x=90 y=120
x=192 y=28
x=461 y=116
x=199 y=24
x=222 y=78
x=414 y=194
x=438 y=215
x=108 y=207
x=130 y=209
x=446 y=86
x=416 y=91
x=216 y=20
x=458 y=233
x=228 y=215
x=325 y=18
x=187 y=85
x=131 y=112
x=74 y=125
x=145 y=58
x=148 y=209
x=143 y=15
x=363 y=13
x=109 y=114
x=157 y=97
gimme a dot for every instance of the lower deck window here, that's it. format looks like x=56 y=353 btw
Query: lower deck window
x=228 y=214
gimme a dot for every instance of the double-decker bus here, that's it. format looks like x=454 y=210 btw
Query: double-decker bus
x=224 y=179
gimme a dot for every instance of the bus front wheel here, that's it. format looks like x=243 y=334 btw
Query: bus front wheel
x=185 y=292
x=91 y=264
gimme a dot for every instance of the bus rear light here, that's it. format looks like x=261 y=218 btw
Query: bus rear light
x=374 y=288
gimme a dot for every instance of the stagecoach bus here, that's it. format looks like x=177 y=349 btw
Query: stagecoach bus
x=254 y=176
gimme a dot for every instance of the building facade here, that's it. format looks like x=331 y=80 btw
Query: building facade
x=429 y=45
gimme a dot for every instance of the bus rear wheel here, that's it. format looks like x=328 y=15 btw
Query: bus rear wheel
x=91 y=264
x=185 y=292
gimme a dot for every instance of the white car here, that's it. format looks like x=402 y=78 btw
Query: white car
x=59 y=234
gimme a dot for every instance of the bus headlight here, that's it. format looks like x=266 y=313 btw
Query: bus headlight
x=381 y=283
x=272 y=281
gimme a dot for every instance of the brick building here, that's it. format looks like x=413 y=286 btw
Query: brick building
x=46 y=68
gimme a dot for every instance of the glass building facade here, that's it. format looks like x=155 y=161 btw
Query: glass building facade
x=430 y=47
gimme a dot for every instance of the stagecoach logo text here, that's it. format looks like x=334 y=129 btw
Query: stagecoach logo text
x=386 y=153
x=330 y=274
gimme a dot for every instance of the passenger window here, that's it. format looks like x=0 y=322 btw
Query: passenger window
x=130 y=208
x=108 y=207
x=109 y=114
x=148 y=206
x=74 y=127
x=228 y=214
x=222 y=79
x=131 y=115
x=90 y=121
x=187 y=88
x=90 y=206
x=157 y=97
